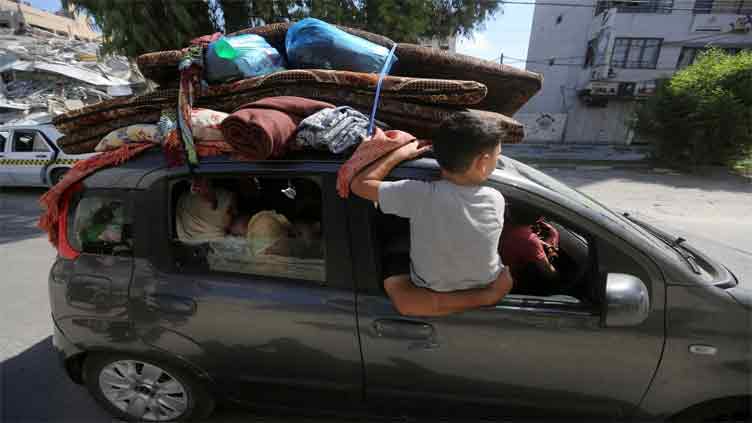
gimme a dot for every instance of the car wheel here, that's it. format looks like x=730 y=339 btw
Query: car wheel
x=135 y=389
x=57 y=176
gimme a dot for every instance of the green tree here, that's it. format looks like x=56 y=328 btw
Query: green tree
x=703 y=114
x=136 y=26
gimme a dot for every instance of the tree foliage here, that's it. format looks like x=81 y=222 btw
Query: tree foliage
x=136 y=26
x=703 y=114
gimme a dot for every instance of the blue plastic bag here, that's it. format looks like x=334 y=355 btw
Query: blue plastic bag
x=312 y=43
x=241 y=56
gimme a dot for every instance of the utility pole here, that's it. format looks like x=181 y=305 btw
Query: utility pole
x=501 y=59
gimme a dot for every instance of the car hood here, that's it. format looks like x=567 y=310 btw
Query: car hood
x=742 y=296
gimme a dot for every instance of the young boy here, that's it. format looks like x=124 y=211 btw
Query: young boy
x=455 y=222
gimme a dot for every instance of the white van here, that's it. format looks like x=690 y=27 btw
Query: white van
x=30 y=156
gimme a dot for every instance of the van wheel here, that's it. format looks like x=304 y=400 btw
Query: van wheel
x=57 y=175
x=135 y=389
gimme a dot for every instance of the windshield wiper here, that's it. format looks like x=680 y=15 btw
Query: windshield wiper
x=674 y=243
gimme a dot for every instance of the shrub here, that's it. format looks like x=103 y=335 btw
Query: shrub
x=703 y=114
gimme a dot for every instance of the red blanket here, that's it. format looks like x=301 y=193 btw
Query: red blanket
x=262 y=129
x=381 y=144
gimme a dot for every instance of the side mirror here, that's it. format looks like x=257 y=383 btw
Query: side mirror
x=627 y=301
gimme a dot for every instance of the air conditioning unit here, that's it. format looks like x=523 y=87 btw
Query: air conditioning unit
x=742 y=24
x=600 y=88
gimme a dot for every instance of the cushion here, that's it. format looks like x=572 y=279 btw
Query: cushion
x=129 y=134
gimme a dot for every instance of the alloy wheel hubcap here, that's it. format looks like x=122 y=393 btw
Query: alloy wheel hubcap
x=143 y=390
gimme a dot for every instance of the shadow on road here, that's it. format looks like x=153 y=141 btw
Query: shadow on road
x=19 y=213
x=34 y=388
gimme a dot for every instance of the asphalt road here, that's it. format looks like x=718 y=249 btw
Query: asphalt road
x=711 y=211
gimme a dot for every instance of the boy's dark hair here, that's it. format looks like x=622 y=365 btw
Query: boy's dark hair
x=461 y=138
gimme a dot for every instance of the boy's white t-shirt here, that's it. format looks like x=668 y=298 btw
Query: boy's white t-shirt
x=454 y=231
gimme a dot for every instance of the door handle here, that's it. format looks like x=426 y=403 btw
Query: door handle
x=171 y=304
x=403 y=329
x=41 y=156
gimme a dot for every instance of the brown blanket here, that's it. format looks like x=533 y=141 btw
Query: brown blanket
x=262 y=129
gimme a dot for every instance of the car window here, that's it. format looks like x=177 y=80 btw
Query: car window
x=252 y=225
x=101 y=225
x=39 y=143
x=3 y=139
x=562 y=189
x=28 y=141
x=569 y=284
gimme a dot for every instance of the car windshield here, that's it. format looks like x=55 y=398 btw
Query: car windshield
x=572 y=194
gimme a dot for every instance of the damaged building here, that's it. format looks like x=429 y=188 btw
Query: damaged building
x=50 y=64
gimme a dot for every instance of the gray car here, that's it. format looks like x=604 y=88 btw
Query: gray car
x=642 y=325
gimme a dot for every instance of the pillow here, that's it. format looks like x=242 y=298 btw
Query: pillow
x=129 y=134
x=205 y=124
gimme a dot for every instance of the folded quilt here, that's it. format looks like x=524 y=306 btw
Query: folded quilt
x=263 y=129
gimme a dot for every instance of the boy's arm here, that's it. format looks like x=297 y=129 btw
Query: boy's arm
x=366 y=183
x=411 y=300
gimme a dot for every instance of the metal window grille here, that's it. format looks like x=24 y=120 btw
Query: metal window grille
x=635 y=6
x=734 y=7
x=636 y=53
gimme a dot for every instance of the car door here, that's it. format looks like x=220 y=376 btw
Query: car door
x=28 y=155
x=4 y=144
x=281 y=333
x=544 y=356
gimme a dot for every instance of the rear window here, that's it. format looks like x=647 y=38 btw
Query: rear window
x=100 y=225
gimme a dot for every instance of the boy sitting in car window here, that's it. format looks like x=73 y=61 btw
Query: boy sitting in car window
x=455 y=222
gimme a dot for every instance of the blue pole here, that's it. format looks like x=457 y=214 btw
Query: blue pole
x=384 y=71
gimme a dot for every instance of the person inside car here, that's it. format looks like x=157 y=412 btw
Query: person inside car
x=530 y=248
x=204 y=213
x=272 y=231
x=455 y=222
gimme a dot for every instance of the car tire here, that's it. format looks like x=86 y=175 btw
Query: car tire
x=57 y=175
x=136 y=389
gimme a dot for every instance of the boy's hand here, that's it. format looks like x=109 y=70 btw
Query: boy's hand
x=411 y=150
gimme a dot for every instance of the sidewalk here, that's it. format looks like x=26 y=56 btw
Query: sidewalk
x=580 y=154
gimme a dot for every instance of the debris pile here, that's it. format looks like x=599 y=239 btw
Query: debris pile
x=43 y=74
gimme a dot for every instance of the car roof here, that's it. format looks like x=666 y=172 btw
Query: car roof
x=142 y=171
x=37 y=127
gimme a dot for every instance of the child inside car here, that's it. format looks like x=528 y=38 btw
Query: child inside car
x=455 y=222
x=530 y=248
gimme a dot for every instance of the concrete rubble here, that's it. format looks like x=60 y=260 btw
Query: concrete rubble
x=44 y=73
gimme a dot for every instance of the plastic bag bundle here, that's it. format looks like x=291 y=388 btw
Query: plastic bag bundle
x=315 y=44
x=241 y=56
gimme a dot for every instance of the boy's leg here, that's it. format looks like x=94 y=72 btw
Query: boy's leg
x=411 y=300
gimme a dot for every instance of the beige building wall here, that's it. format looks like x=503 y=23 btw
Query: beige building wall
x=76 y=28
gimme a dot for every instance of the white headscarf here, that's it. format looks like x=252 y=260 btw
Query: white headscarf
x=198 y=220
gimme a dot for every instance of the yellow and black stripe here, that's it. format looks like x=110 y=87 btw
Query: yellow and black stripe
x=67 y=161
x=37 y=162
